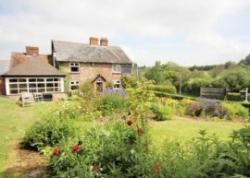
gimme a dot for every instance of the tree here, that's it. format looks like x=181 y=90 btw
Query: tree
x=234 y=80
x=155 y=73
x=245 y=61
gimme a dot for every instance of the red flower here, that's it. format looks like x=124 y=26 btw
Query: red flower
x=94 y=168
x=76 y=148
x=140 y=131
x=129 y=122
x=157 y=168
x=56 y=151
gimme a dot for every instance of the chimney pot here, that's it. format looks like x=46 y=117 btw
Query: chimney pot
x=93 y=41
x=104 y=42
x=32 y=50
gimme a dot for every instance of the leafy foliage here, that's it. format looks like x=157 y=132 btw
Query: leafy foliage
x=115 y=149
x=213 y=108
x=232 y=76
x=47 y=132
x=162 y=112
x=166 y=88
x=110 y=103
x=129 y=81
x=235 y=110
x=87 y=90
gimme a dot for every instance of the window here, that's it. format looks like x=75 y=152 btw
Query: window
x=117 y=84
x=74 y=67
x=74 y=85
x=34 y=85
x=116 y=68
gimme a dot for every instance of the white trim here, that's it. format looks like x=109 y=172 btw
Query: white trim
x=74 y=83
x=74 y=64
x=7 y=89
x=62 y=85
x=57 y=85
x=117 y=82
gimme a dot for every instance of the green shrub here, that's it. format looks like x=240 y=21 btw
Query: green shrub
x=109 y=84
x=110 y=103
x=168 y=88
x=235 y=110
x=129 y=81
x=193 y=85
x=233 y=96
x=121 y=149
x=194 y=109
x=162 y=112
x=115 y=149
x=173 y=96
x=87 y=90
x=213 y=108
x=47 y=132
x=68 y=109
x=188 y=159
x=206 y=156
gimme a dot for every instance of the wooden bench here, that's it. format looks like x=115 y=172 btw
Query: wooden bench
x=218 y=93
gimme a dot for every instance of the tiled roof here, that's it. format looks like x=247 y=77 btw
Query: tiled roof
x=33 y=67
x=4 y=66
x=78 y=52
x=19 y=57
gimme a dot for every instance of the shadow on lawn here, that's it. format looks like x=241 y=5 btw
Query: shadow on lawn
x=22 y=172
x=24 y=163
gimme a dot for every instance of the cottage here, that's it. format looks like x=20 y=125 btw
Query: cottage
x=96 y=62
x=32 y=72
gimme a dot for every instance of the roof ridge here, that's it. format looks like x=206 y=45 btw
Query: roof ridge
x=87 y=44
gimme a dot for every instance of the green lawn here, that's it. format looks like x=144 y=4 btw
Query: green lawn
x=183 y=129
x=14 y=120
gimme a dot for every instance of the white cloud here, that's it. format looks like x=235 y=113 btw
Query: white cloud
x=188 y=21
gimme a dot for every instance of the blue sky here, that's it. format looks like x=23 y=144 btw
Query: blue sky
x=187 y=32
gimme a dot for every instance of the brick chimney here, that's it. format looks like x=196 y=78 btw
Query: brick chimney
x=104 y=42
x=32 y=51
x=93 y=41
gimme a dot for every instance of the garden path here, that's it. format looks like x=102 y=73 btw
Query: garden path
x=24 y=163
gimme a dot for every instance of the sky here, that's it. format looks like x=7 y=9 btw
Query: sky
x=187 y=32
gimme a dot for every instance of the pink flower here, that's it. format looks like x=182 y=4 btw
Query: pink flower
x=157 y=168
x=129 y=122
x=140 y=131
x=56 y=151
x=76 y=148
x=94 y=168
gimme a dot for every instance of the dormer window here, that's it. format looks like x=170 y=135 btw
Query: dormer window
x=116 y=68
x=74 y=67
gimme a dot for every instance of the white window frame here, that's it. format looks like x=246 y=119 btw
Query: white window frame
x=117 y=82
x=74 y=64
x=74 y=83
x=116 y=69
x=57 y=85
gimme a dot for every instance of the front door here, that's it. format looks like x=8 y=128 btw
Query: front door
x=99 y=86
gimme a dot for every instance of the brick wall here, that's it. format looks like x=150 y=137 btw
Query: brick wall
x=2 y=88
x=90 y=71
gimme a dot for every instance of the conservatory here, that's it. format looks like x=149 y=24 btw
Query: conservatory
x=17 y=85
x=33 y=76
